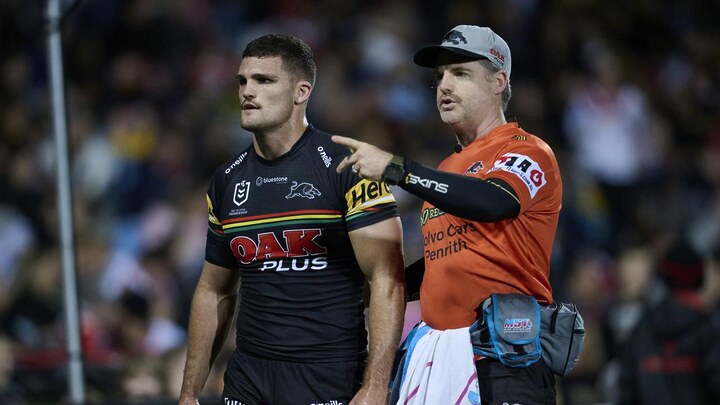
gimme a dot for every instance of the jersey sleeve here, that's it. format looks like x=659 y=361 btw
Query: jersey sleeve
x=217 y=248
x=530 y=168
x=367 y=202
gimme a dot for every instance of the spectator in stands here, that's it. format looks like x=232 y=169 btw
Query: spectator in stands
x=673 y=355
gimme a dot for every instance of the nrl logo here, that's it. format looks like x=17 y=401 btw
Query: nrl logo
x=242 y=191
x=305 y=190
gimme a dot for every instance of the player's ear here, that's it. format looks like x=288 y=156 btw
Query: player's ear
x=303 y=88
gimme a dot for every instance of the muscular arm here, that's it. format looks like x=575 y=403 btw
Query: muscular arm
x=378 y=249
x=211 y=315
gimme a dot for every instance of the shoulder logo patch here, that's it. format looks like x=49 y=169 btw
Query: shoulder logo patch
x=519 y=137
x=525 y=168
x=327 y=160
x=235 y=163
x=366 y=194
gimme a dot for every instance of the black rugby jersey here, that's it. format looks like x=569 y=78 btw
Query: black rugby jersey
x=283 y=224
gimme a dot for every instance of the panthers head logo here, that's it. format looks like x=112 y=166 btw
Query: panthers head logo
x=455 y=37
x=305 y=190
x=475 y=167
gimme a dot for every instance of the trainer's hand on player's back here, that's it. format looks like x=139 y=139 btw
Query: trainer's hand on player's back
x=366 y=160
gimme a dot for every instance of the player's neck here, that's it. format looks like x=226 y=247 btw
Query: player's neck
x=277 y=141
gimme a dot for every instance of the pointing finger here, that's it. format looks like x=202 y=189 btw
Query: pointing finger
x=344 y=164
x=345 y=141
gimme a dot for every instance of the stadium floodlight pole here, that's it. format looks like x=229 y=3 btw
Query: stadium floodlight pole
x=72 y=318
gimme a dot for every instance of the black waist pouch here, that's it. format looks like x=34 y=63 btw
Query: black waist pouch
x=562 y=335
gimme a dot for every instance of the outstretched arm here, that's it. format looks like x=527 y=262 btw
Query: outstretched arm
x=493 y=199
x=211 y=314
x=378 y=249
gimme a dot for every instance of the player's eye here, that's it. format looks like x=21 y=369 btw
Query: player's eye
x=264 y=80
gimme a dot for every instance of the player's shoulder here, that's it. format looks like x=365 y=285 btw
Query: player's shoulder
x=324 y=150
x=232 y=165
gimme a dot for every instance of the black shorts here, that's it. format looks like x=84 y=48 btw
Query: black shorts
x=255 y=381
x=500 y=384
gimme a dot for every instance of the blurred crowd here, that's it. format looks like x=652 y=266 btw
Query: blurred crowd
x=627 y=94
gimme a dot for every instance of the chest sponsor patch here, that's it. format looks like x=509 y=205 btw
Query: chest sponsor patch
x=267 y=246
x=525 y=168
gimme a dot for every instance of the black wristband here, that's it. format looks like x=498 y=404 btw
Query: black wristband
x=394 y=171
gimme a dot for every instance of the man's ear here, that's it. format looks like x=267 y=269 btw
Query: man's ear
x=302 y=91
x=501 y=81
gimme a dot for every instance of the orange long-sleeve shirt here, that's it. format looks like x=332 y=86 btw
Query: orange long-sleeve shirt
x=466 y=261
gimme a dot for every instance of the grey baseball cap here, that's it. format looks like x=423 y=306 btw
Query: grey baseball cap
x=468 y=40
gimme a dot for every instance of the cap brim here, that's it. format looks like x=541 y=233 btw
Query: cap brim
x=428 y=56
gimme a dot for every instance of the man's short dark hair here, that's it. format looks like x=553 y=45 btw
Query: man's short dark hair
x=296 y=55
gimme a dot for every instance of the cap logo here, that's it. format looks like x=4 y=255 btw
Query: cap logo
x=455 y=37
x=494 y=52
